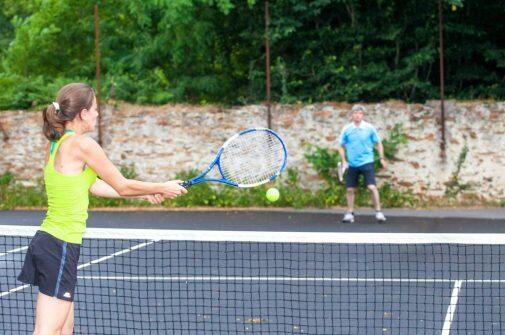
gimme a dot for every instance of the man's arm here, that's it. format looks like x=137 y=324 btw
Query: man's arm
x=341 y=151
x=341 y=148
x=380 y=149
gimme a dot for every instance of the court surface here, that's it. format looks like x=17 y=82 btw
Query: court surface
x=277 y=272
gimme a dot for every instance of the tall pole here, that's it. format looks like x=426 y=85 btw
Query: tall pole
x=267 y=50
x=4 y=132
x=442 y=79
x=97 y=59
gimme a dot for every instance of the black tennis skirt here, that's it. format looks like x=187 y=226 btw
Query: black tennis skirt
x=51 y=264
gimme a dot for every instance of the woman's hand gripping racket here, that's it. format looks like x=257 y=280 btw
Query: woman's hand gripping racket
x=250 y=158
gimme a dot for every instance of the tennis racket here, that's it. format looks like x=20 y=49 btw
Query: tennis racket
x=250 y=158
x=341 y=170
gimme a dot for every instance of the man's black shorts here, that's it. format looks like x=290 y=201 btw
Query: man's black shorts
x=353 y=173
x=51 y=264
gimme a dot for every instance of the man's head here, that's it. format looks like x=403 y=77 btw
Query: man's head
x=357 y=113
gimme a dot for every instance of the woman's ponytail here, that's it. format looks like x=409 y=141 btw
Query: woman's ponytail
x=54 y=126
x=70 y=101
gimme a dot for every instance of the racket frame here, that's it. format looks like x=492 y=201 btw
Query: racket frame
x=201 y=177
x=341 y=170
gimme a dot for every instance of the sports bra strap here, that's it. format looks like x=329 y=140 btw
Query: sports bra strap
x=55 y=144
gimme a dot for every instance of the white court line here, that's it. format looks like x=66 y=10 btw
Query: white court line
x=12 y=290
x=99 y=260
x=451 y=309
x=13 y=250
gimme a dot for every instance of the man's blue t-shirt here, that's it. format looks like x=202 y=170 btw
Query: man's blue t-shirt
x=359 y=143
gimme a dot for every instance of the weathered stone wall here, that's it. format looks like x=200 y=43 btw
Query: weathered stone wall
x=161 y=140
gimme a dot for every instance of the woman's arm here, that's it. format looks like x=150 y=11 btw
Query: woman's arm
x=93 y=155
x=104 y=190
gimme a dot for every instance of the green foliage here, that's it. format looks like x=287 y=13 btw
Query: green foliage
x=454 y=186
x=324 y=161
x=207 y=51
x=6 y=178
x=128 y=171
x=29 y=92
x=396 y=138
x=393 y=197
x=216 y=195
x=13 y=194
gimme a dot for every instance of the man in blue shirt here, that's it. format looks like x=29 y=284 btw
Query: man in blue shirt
x=356 y=151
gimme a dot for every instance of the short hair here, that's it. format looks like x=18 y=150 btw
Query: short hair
x=358 y=107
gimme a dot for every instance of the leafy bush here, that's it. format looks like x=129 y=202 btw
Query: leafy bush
x=13 y=194
x=30 y=92
x=203 y=51
x=454 y=186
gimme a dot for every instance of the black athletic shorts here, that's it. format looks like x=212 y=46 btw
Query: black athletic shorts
x=51 y=264
x=353 y=173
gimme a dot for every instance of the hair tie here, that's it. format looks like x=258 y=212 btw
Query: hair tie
x=57 y=107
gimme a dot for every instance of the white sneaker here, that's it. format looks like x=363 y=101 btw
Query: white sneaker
x=379 y=216
x=348 y=218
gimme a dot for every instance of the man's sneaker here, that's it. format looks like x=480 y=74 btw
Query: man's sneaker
x=348 y=217
x=379 y=216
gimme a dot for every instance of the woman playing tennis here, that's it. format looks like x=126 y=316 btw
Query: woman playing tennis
x=73 y=161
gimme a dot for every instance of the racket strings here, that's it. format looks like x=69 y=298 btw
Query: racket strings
x=252 y=158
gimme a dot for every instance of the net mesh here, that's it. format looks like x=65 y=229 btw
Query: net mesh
x=203 y=282
x=253 y=158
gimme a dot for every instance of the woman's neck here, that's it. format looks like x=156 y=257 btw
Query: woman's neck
x=75 y=128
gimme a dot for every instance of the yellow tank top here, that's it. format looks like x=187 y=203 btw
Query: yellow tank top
x=67 y=200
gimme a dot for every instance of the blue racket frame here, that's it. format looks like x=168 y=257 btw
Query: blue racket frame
x=201 y=177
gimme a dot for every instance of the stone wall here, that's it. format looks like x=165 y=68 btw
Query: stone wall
x=161 y=140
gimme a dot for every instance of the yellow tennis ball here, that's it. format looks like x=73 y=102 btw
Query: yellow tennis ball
x=454 y=8
x=272 y=194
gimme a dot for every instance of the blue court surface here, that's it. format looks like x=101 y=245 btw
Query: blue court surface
x=211 y=281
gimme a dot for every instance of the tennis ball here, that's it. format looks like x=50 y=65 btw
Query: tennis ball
x=454 y=8
x=272 y=194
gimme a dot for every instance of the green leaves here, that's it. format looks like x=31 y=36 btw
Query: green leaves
x=212 y=51
x=324 y=161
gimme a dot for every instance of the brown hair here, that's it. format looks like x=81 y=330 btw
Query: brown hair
x=72 y=99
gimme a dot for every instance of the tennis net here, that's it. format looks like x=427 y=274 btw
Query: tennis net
x=225 y=282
